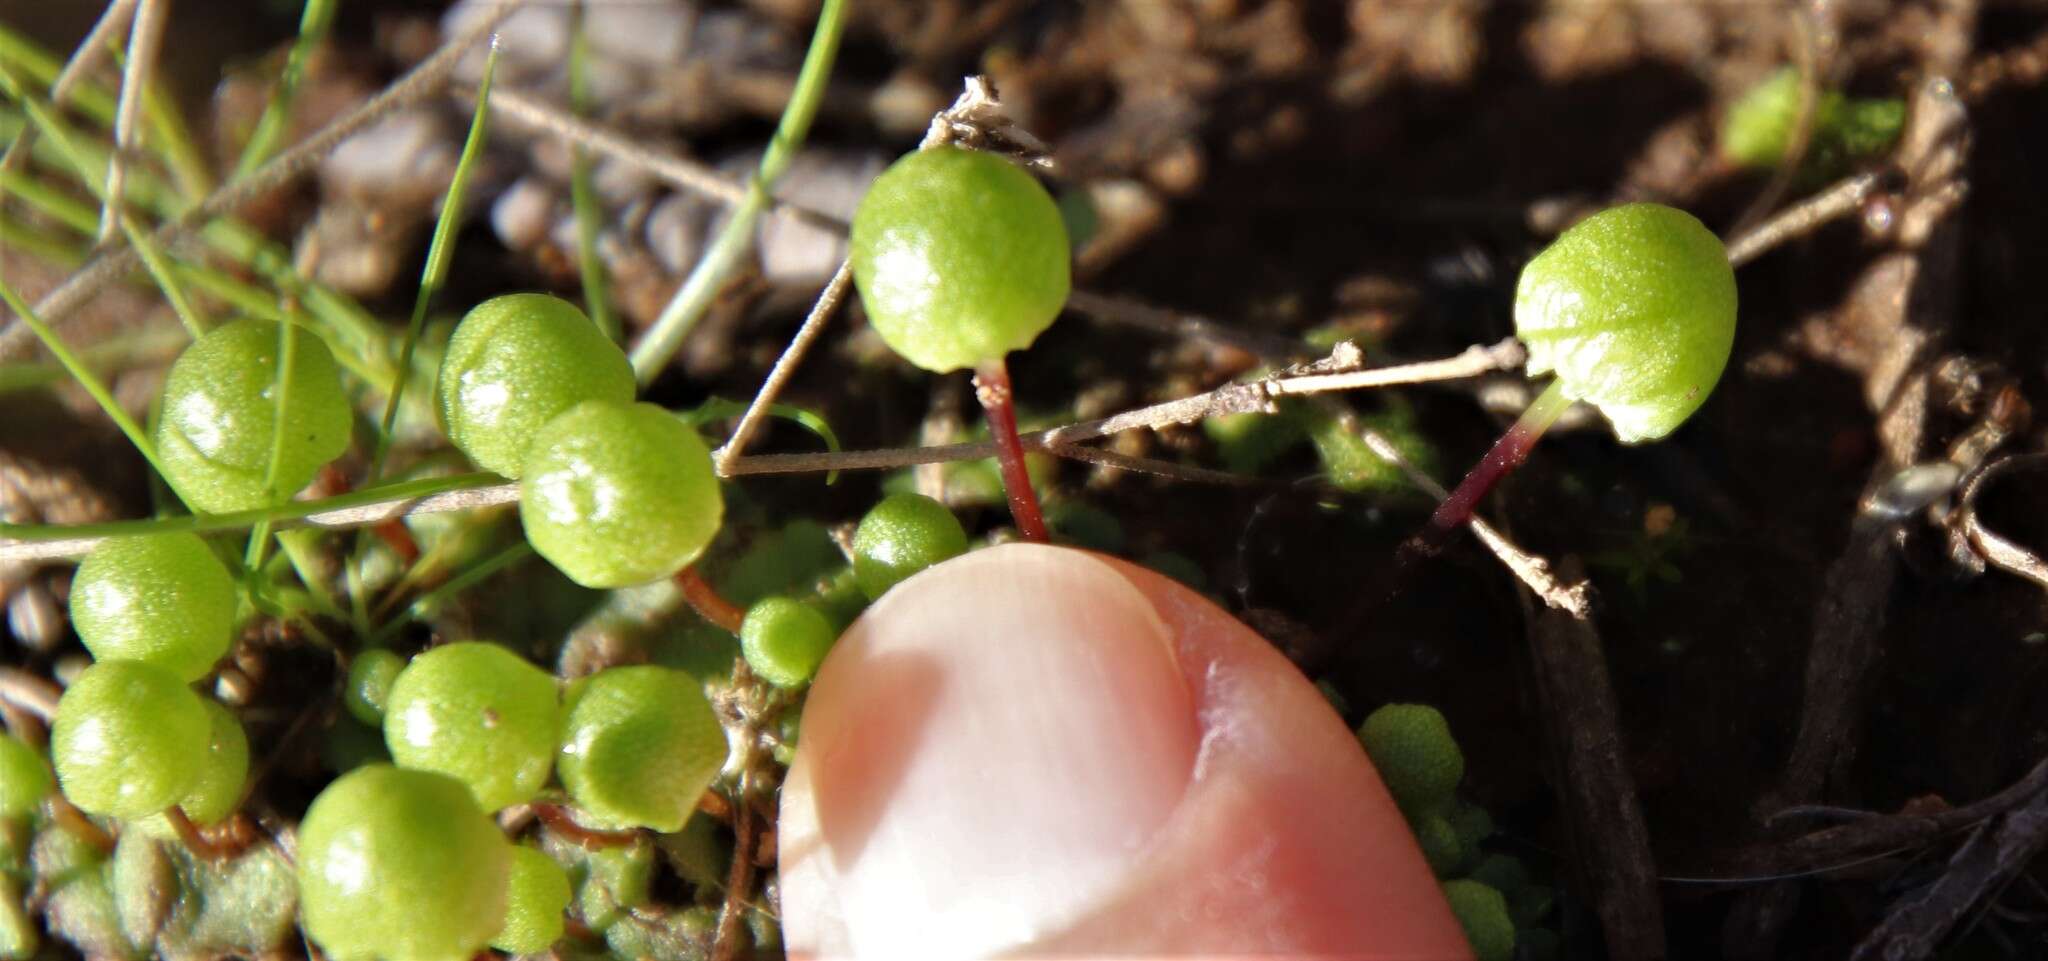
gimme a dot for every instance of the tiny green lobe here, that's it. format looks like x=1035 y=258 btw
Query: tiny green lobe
x=514 y=363
x=219 y=423
x=640 y=747
x=1484 y=915
x=538 y=894
x=960 y=257
x=162 y=598
x=478 y=713
x=129 y=739
x=370 y=676
x=900 y=536
x=1412 y=747
x=217 y=790
x=784 y=640
x=1633 y=309
x=398 y=864
x=616 y=495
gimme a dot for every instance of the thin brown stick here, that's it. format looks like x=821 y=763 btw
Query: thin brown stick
x=145 y=39
x=785 y=366
x=1147 y=465
x=119 y=260
x=83 y=59
x=561 y=822
x=1844 y=197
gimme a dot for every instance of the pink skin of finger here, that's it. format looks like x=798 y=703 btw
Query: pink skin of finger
x=1033 y=752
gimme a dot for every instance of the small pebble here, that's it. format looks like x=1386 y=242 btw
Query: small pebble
x=522 y=214
x=675 y=231
x=408 y=156
x=649 y=32
x=35 y=618
x=535 y=38
x=797 y=253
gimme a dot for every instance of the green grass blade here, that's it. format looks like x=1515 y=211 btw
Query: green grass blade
x=160 y=270
x=736 y=239
x=582 y=195
x=439 y=252
x=314 y=21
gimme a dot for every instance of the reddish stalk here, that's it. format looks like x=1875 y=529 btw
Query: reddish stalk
x=992 y=388
x=1506 y=454
x=561 y=822
x=707 y=602
x=219 y=843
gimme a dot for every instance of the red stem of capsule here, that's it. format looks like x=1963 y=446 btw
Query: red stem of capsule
x=707 y=602
x=992 y=388
x=1506 y=454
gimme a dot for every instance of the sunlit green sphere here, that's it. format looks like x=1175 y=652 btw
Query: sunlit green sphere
x=1633 y=309
x=537 y=895
x=129 y=739
x=162 y=598
x=216 y=791
x=640 y=746
x=400 y=865
x=368 y=686
x=960 y=257
x=514 y=363
x=900 y=536
x=784 y=640
x=1412 y=748
x=220 y=426
x=478 y=713
x=619 y=494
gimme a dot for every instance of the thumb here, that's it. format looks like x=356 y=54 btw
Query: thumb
x=1035 y=751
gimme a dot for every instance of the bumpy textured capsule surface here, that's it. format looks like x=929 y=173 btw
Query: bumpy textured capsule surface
x=514 y=363
x=480 y=714
x=960 y=257
x=217 y=789
x=162 y=598
x=619 y=494
x=220 y=424
x=1634 y=309
x=1412 y=747
x=900 y=536
x=640 y=746
x=129 y=739
x=537 y=896
x=784 y=640
x=400 y=864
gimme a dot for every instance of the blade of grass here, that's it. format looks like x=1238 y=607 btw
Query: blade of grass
x=145 y=39
x=582 y=194
x=166 y=280
x=88 y=52
x=736 y=239
x=314 y=20
x=287 y=355
x=440 y=250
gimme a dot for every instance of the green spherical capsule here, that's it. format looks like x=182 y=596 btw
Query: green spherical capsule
x=900 y=536
x=480 y=714
x=129 y=740
x=1412 y=747
x=397 y=864
x=784 y=640
x=160 y=598
x=1484 y=915
x=640 y=746
x=217 y=790
x=1634 y=309
x=514 y=363
x=368 y=687
x=960 y=257
x=24 y=778
x=1440 y=844
x=619 y=494
x=220 y=425
x=536 y=896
